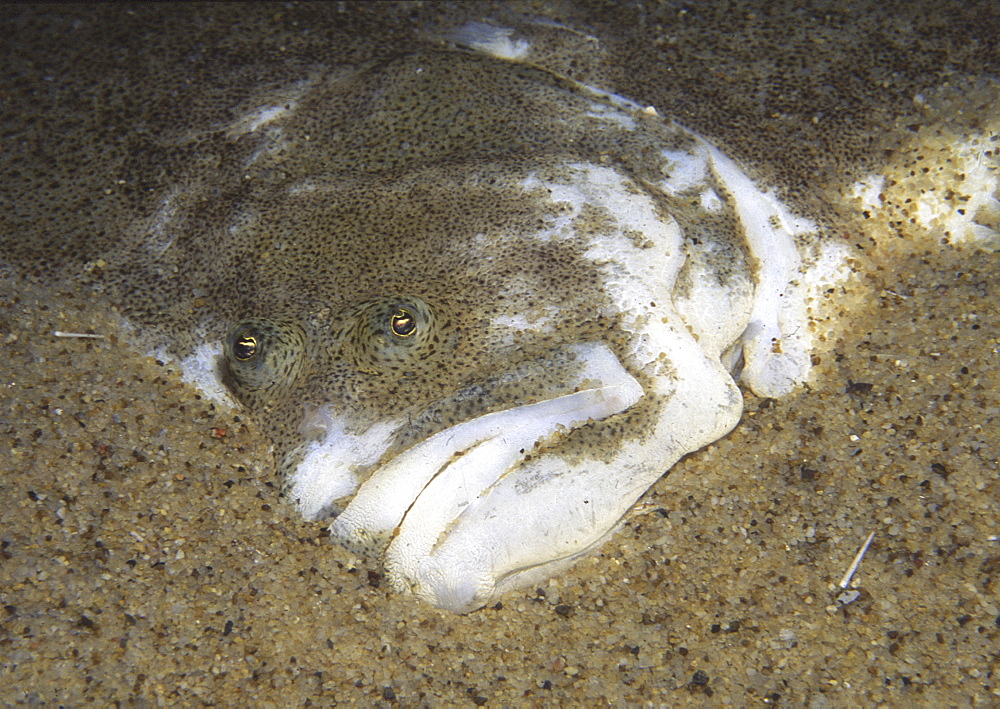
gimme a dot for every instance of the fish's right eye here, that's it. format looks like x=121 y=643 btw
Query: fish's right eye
x=403 y=323
x=392 y=333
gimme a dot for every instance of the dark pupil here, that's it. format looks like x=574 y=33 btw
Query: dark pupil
x=245 y=347
x=403 y=324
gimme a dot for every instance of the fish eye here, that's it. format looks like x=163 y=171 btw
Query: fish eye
x=403 y=323
x=389 y=333
x=245 y=346
x=263 y=359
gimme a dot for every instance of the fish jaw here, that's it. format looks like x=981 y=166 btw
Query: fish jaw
x=327 y=469
x=452 y=468
x=492 y=521
x=503 y=500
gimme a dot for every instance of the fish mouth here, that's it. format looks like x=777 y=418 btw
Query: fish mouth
x=416 y=497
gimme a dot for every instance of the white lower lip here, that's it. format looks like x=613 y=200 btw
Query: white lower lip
x=326 y=472
x=434 y=481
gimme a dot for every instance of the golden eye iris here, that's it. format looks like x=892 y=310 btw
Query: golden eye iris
x=245 y=347
x=402 y=323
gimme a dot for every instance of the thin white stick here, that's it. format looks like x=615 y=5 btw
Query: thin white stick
x=60 y=333
x=845 y=582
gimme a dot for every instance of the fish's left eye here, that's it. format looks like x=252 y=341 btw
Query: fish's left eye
x=403 y=323
x=245 y=347
x=262 y=359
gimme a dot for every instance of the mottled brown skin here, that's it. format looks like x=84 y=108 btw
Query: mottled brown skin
x=365 y=202
x=391 y=184
x=87 y=143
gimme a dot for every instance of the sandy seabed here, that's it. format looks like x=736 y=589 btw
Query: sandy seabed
x=147 y=559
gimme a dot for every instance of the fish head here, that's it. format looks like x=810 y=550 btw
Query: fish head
x=439 y=298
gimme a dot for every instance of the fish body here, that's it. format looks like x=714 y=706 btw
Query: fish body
x=479 y=307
